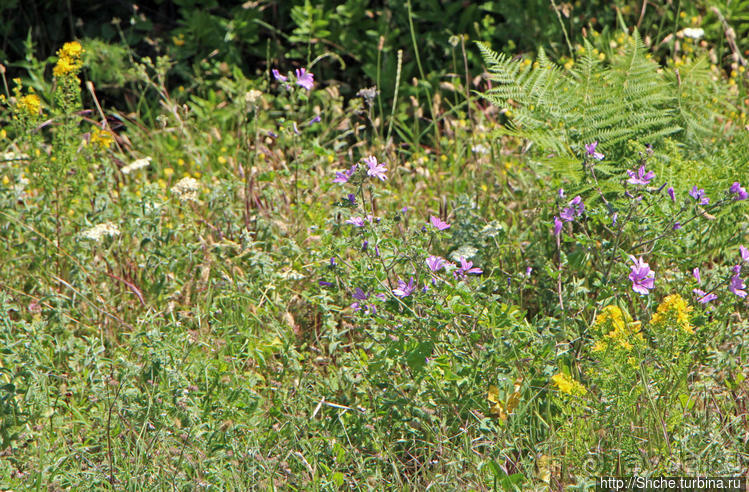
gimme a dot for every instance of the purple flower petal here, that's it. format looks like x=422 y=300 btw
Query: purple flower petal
x=703 y=297
x=557 y=226
x=435 y=263
x=375 y=169
x=590 y=149
x=439 y=224
x=640 y=177
x=277 y=75
x=304 y=78
x=642 y=277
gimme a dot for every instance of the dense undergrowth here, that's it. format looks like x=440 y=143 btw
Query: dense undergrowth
x=277 y=287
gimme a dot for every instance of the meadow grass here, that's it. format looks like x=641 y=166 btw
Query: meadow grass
x=225 y=292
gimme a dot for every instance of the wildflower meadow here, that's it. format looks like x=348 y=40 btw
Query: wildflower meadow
x=374 y=245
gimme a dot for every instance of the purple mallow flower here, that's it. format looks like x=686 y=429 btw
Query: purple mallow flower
x=356 y=221
x=557 y=226
x=324 y=283
x=744 y=254
x=277 y=75
x=590 y=149
x=699 y=194
x=304 y=78
x=670 y=192
x=466 y=267
x=316 y=119
x=405 y=289
x=676 y=226
x=640 y=177
x=703 y=297
x=375 y=169
x=435 y=263
x=642 y=277
x=351 y=198
x=345 y=175
x=560 y=193
x=736 y=285
x=439 y=224
x=573 y=210
x=739 y=192
x=614 y=217
x=696 y=273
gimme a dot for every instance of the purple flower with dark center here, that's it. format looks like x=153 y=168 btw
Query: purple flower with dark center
x=737 y=286
x=277 y=75
x=345 y=175
x=351 y=198
x=332 y=261
x=640 y=177
x=699 y=194
x=670 y=192
x=438 y=223
x=703 y=297
x=466 y=267
x=405 y=289
x=304 y=78
x=744 y=253
x=696 y=273
x=676 y=226
x=324 y=283
x=737 y=190
x=642 y=277
x=435 y=263
x=736 y=269
x=560 y=193
x=364 y=246
x=356 y=221
x=375 y=169
x=557 y=226
x=590 y=149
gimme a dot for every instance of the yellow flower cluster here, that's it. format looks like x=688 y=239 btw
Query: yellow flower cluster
x=567 y=385
x=619 y=330
x=101 y=139
x=30 y=103
x=69 y=59
x=673 y=309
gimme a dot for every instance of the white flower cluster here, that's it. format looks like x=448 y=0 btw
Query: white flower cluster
x=186 y=189
x=135 y=165
x=98 y=232
x=252 y=96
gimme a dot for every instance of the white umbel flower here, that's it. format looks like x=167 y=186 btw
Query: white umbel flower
x=135 y=165
x=100 y=231
x=186 y=189
x=693 y=32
